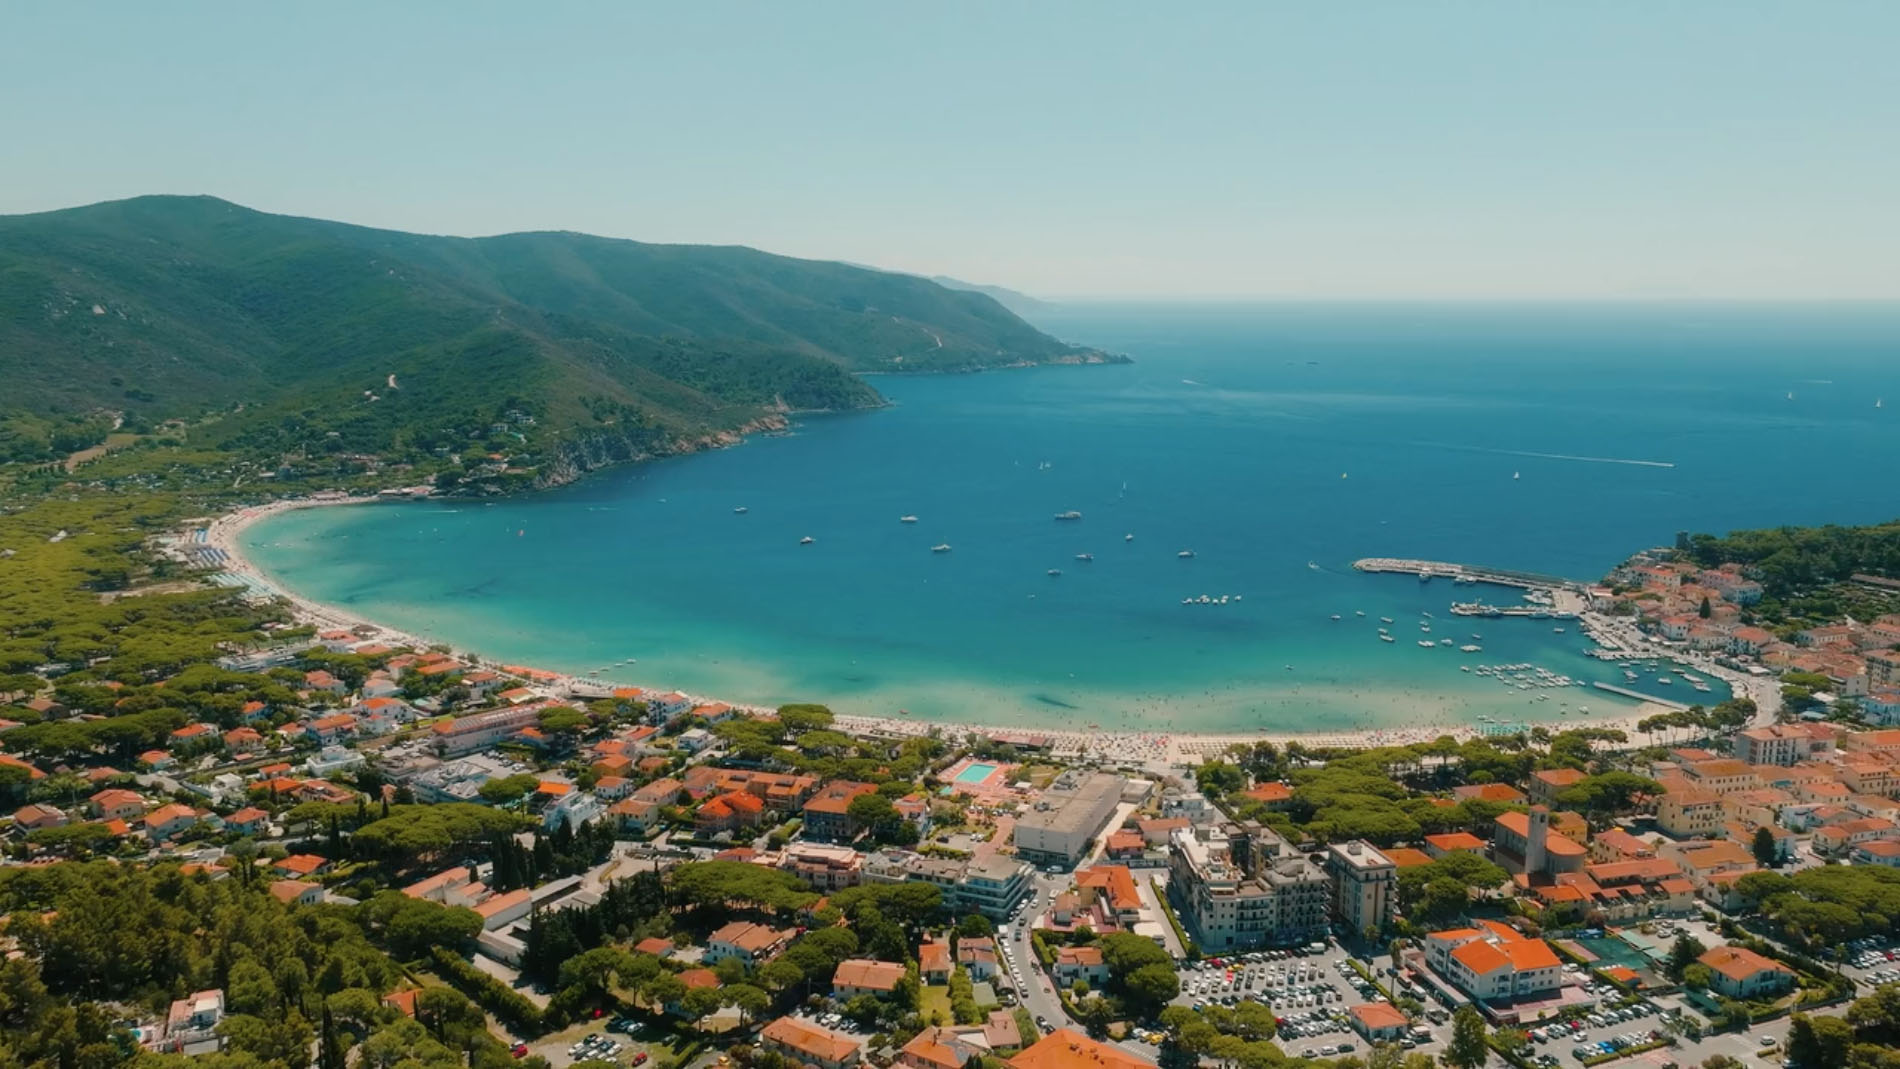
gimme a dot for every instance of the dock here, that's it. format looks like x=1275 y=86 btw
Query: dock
x=1640 y=696
x=1465 y=573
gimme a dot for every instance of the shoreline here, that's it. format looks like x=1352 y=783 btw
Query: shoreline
x=1171 y=748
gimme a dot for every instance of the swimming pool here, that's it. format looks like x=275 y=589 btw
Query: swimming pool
x=975 y=772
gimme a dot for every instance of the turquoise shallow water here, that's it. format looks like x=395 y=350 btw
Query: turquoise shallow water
x=1277 y=443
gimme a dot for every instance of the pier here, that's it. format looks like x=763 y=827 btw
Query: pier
x=1640 y=696
x=1465 y=573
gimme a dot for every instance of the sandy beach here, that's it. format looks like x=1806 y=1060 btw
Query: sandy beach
x=1147 y=749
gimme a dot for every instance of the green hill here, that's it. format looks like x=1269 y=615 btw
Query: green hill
x=272 y=332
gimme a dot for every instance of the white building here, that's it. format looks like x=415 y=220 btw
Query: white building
x=1063 y=823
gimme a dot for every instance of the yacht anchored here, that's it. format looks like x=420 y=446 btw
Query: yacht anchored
x=1185 y=554
x=1427 y=644
x=907 y=519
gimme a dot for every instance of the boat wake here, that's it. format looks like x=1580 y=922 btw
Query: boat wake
x=1551 y=456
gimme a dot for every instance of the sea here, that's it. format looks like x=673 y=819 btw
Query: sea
x=1276 y=443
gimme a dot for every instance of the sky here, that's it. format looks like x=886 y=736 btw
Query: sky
x=1460 y=149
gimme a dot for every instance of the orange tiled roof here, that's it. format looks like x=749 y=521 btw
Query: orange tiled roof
x=1068 y=1049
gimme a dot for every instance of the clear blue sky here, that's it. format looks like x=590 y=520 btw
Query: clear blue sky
x=1405 y=149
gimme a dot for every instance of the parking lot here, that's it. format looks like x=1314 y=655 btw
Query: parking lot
x=624 y=1040
x=1307 y=989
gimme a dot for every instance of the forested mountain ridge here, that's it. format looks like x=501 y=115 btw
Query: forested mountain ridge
x=306 y=335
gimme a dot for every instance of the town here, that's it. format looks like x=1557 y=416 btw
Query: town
x=587 y=873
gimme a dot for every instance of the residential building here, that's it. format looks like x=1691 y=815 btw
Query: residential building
x=1688 y=812
x=805 y=1043
x=1080 y=963
x=1494 y=962
x=1066 y=1048
x=1783 y=744
x=863 y=976
x=938 y=1047
x=479 y=731
x=1364 y=887
x=828 y=812
x=933 y=961
x=1241 y=885
x=826 y=868
x=992 y=885
x=1489 y=792
x=1547 y=783
x=1740 y=973
x=1064 y=822
x=115 y=803
x=749 y=942
x=978 y=959
x=1451 y=842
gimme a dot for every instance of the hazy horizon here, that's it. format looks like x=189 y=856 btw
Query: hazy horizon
x=1486 y=152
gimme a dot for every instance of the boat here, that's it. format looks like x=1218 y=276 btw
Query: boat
x=1516 y=475
x=941 y=547
x=1085 y=556
x=1359 y=612
x=1427 y=644
x=1386 y=638
x=1185 y=554
x=1464 y=668
x=1424 y=577
x=1313 y=566
x=1664 y=680
x=1424 y=627
x=1477 y=637
x=1444 y=642
x=807 y=540
x=741 y=510
x=1468 y=648
x=1385 y=619
x=907 y=519
x=1128 y=538
x=1053 y=572
x=1069 y=515
x=1335 y=616
x=1557 y=630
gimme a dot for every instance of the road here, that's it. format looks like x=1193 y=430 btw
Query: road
x=1026 y=974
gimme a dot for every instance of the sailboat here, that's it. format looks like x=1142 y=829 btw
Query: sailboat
x=1878 y=403
x=1516 y=475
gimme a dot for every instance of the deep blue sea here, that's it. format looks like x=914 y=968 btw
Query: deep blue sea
x=1278 y=443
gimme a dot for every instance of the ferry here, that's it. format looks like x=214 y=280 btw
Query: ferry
x=941 y=547
x=741 y=510
x=1185 y=554
x=1069 y=515
x=1085 y=556
x=807 y=540
x=907 y=519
